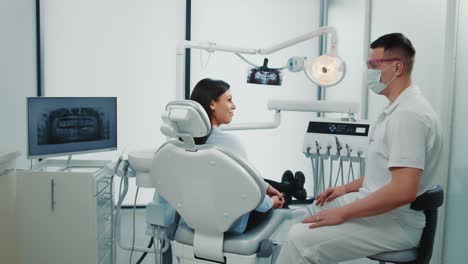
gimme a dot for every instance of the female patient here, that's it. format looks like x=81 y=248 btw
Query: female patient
x=216 y=98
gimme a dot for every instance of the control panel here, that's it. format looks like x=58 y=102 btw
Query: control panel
x=344 y=138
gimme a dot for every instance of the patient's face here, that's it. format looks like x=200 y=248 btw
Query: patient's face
x=222 y=109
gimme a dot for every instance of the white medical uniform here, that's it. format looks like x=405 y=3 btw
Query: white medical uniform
x=406 y=134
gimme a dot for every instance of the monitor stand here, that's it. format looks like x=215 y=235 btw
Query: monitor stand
x=69 y=167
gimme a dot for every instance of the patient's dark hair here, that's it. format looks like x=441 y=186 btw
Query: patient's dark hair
x=205 y=91
x=397 y=45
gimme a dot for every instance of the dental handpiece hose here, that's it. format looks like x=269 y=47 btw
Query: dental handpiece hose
x=122 y=195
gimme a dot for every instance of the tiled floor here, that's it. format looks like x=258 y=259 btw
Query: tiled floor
x=142 y=240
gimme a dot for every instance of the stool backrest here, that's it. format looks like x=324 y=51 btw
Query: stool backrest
x=429 y=202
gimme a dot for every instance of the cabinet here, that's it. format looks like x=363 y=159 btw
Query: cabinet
x=65 y=215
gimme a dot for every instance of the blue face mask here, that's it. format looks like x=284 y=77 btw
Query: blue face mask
x=373 y=80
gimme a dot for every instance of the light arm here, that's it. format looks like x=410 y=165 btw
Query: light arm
x=298 y=106
x=212 y=46
x=314 y=106
x=302 y=38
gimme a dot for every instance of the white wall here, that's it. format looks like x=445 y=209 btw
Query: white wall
x=349 y=19
x=17 y=73
x=455 y=250
x=116 y=48
x=423 y=22
x=17 y=81
x=260 y=24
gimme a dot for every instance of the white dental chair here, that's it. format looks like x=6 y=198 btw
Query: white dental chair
x=210 y=188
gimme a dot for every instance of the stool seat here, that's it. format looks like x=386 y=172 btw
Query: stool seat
x=402 y=256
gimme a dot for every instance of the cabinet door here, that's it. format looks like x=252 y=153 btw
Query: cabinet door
x=75 y=218
x=35 y=218
x=56 y=218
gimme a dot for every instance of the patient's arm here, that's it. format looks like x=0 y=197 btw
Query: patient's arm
x=272 y=192
x=266 y=205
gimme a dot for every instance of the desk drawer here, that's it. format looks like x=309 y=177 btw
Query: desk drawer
x=103 y=198
x=102 y=184
x=104 y=244
x=103 y=219
x=107 y=259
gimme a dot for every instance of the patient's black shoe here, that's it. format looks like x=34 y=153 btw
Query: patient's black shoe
x=288 y=177
x=299 y=192
x=300 y=195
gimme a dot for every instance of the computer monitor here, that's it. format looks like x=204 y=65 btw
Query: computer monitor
x=70 y=125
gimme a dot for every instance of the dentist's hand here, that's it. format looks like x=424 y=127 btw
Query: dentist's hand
x=327 y=217
x=330 y=194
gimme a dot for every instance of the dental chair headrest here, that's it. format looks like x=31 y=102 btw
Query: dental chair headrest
x=185 y=119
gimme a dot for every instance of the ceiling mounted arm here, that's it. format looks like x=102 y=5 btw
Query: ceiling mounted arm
x=326 y=70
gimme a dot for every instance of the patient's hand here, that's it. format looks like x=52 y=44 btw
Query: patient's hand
x=329 y=195
x=273 y=192
x=277 y=202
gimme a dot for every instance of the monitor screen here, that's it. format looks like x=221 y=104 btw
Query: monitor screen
x=69 y=125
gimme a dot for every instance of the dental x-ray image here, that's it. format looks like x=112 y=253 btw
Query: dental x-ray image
x=264 y=75
x=67 y=125
x=71 y=125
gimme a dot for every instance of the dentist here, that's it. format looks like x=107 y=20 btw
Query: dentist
x=372 y=214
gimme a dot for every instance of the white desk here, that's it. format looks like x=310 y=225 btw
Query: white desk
x=64 y=215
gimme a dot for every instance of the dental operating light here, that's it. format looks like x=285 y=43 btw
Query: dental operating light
x=326 y=70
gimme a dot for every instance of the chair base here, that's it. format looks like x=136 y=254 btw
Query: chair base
x=185 y=255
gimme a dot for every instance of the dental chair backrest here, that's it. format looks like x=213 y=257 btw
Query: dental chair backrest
x=210 y=187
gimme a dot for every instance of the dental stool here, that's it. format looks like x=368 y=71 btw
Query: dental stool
x=210 y=188
x=429 y=202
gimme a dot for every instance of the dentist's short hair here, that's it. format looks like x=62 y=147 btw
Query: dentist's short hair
x=397 y=45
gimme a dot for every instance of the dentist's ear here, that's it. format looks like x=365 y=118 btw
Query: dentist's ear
x=399 y=68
